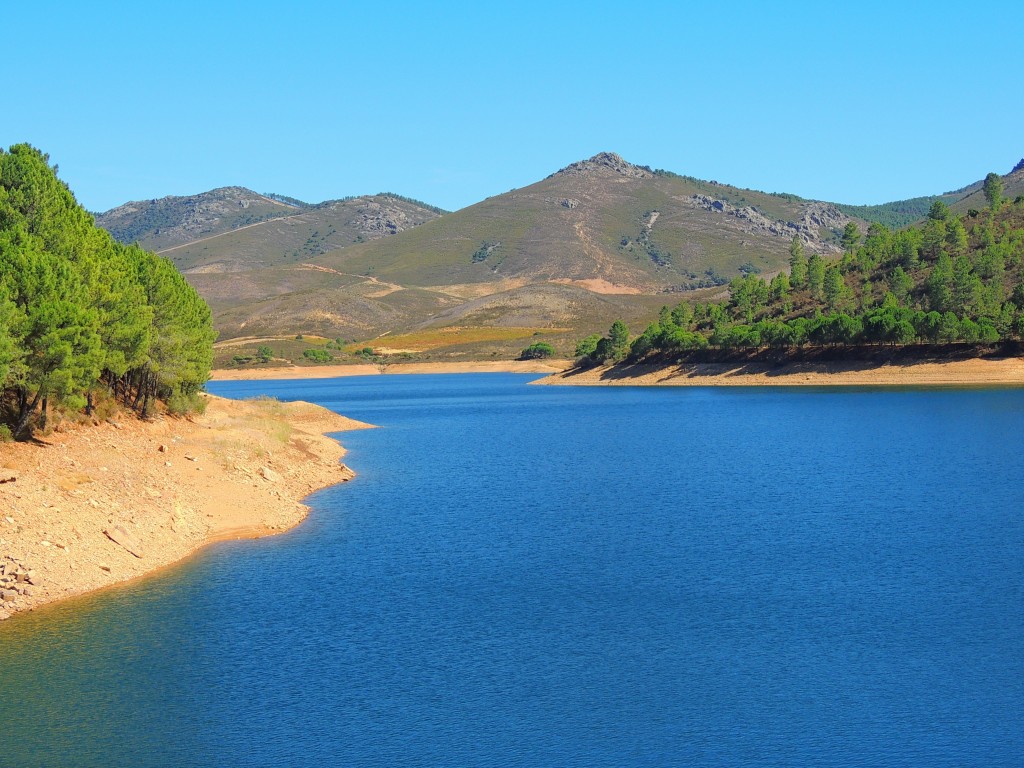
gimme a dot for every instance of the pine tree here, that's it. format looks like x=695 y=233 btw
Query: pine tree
x=815 y=275
x=797 y=264
x=993 y=190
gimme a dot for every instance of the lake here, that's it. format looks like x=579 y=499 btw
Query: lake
x=559 y=576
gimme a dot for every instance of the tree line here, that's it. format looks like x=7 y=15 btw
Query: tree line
x=83 y=316
x=950 y=279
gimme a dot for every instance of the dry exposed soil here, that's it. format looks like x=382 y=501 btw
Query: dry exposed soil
x=973 y=372
x=90 y=506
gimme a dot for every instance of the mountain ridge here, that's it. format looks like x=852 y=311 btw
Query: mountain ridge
x=598 y=237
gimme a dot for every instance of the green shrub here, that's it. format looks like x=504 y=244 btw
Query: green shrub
x=537 y=351
x=181 y=404
x=318 y=355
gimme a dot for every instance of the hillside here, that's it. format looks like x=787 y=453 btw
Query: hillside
x=170 y=221
x=973 y=198
x=950 y=288
x=607 y=226
x=899 y=213
x=234 y=229
x=601 y=238
x=597 y=240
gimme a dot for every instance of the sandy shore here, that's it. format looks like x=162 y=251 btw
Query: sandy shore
x=88 y=507
x=977 y=372
x=333 y=371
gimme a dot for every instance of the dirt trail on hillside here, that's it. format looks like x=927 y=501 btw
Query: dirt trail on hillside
x=91 y=506
x=230 y=232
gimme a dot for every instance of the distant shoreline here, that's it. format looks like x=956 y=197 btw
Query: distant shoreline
x=972 y=372
x=369 y=369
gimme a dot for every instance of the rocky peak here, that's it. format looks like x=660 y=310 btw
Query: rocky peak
x=605 y=164
x=1019 y=166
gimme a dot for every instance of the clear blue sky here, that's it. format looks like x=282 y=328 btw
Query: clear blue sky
x=451 y=103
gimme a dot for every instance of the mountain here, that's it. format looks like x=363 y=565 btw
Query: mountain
x=605 y=225
x=234 y=229
x=597 y=240
x=171 y=221
x=302 y=235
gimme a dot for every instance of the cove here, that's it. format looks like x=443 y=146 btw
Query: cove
x=534 y=576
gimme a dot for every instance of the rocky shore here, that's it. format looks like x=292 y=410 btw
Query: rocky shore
x=90 y=506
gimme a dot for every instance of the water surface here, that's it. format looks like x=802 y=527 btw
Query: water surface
x=560 y=576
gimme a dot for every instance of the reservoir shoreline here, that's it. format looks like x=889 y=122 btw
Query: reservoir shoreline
x=90 y=507
x=981 y=372
x=369 y=369
x=965 y=372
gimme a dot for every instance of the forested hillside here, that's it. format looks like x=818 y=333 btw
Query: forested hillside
x=84 y=319
x=954 y=280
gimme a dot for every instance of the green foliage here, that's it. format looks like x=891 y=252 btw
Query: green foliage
x=851 y=235
x=816 y=276
x=588 y=346
x=318 y=355
x=600 y=349
x=264 y=354
x=797 y=264
x=939 y=211
x=948 y=281
x=834 y=289
x=537 y=351
x=900 y=213
x=618 y=339
x=80 y=312
x=993 y=189
x=486 y=249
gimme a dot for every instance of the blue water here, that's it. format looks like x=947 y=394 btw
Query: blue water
x=548 y=576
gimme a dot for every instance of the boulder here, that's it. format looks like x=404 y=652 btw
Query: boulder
x=268 y=474
x=119 y=535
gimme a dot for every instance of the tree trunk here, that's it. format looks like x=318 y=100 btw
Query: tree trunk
x=25 y=411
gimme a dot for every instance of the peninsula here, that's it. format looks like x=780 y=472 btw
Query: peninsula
x=87 y=507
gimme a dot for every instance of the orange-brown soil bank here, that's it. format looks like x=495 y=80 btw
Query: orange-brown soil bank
x=88 y=507
x=976 y=372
